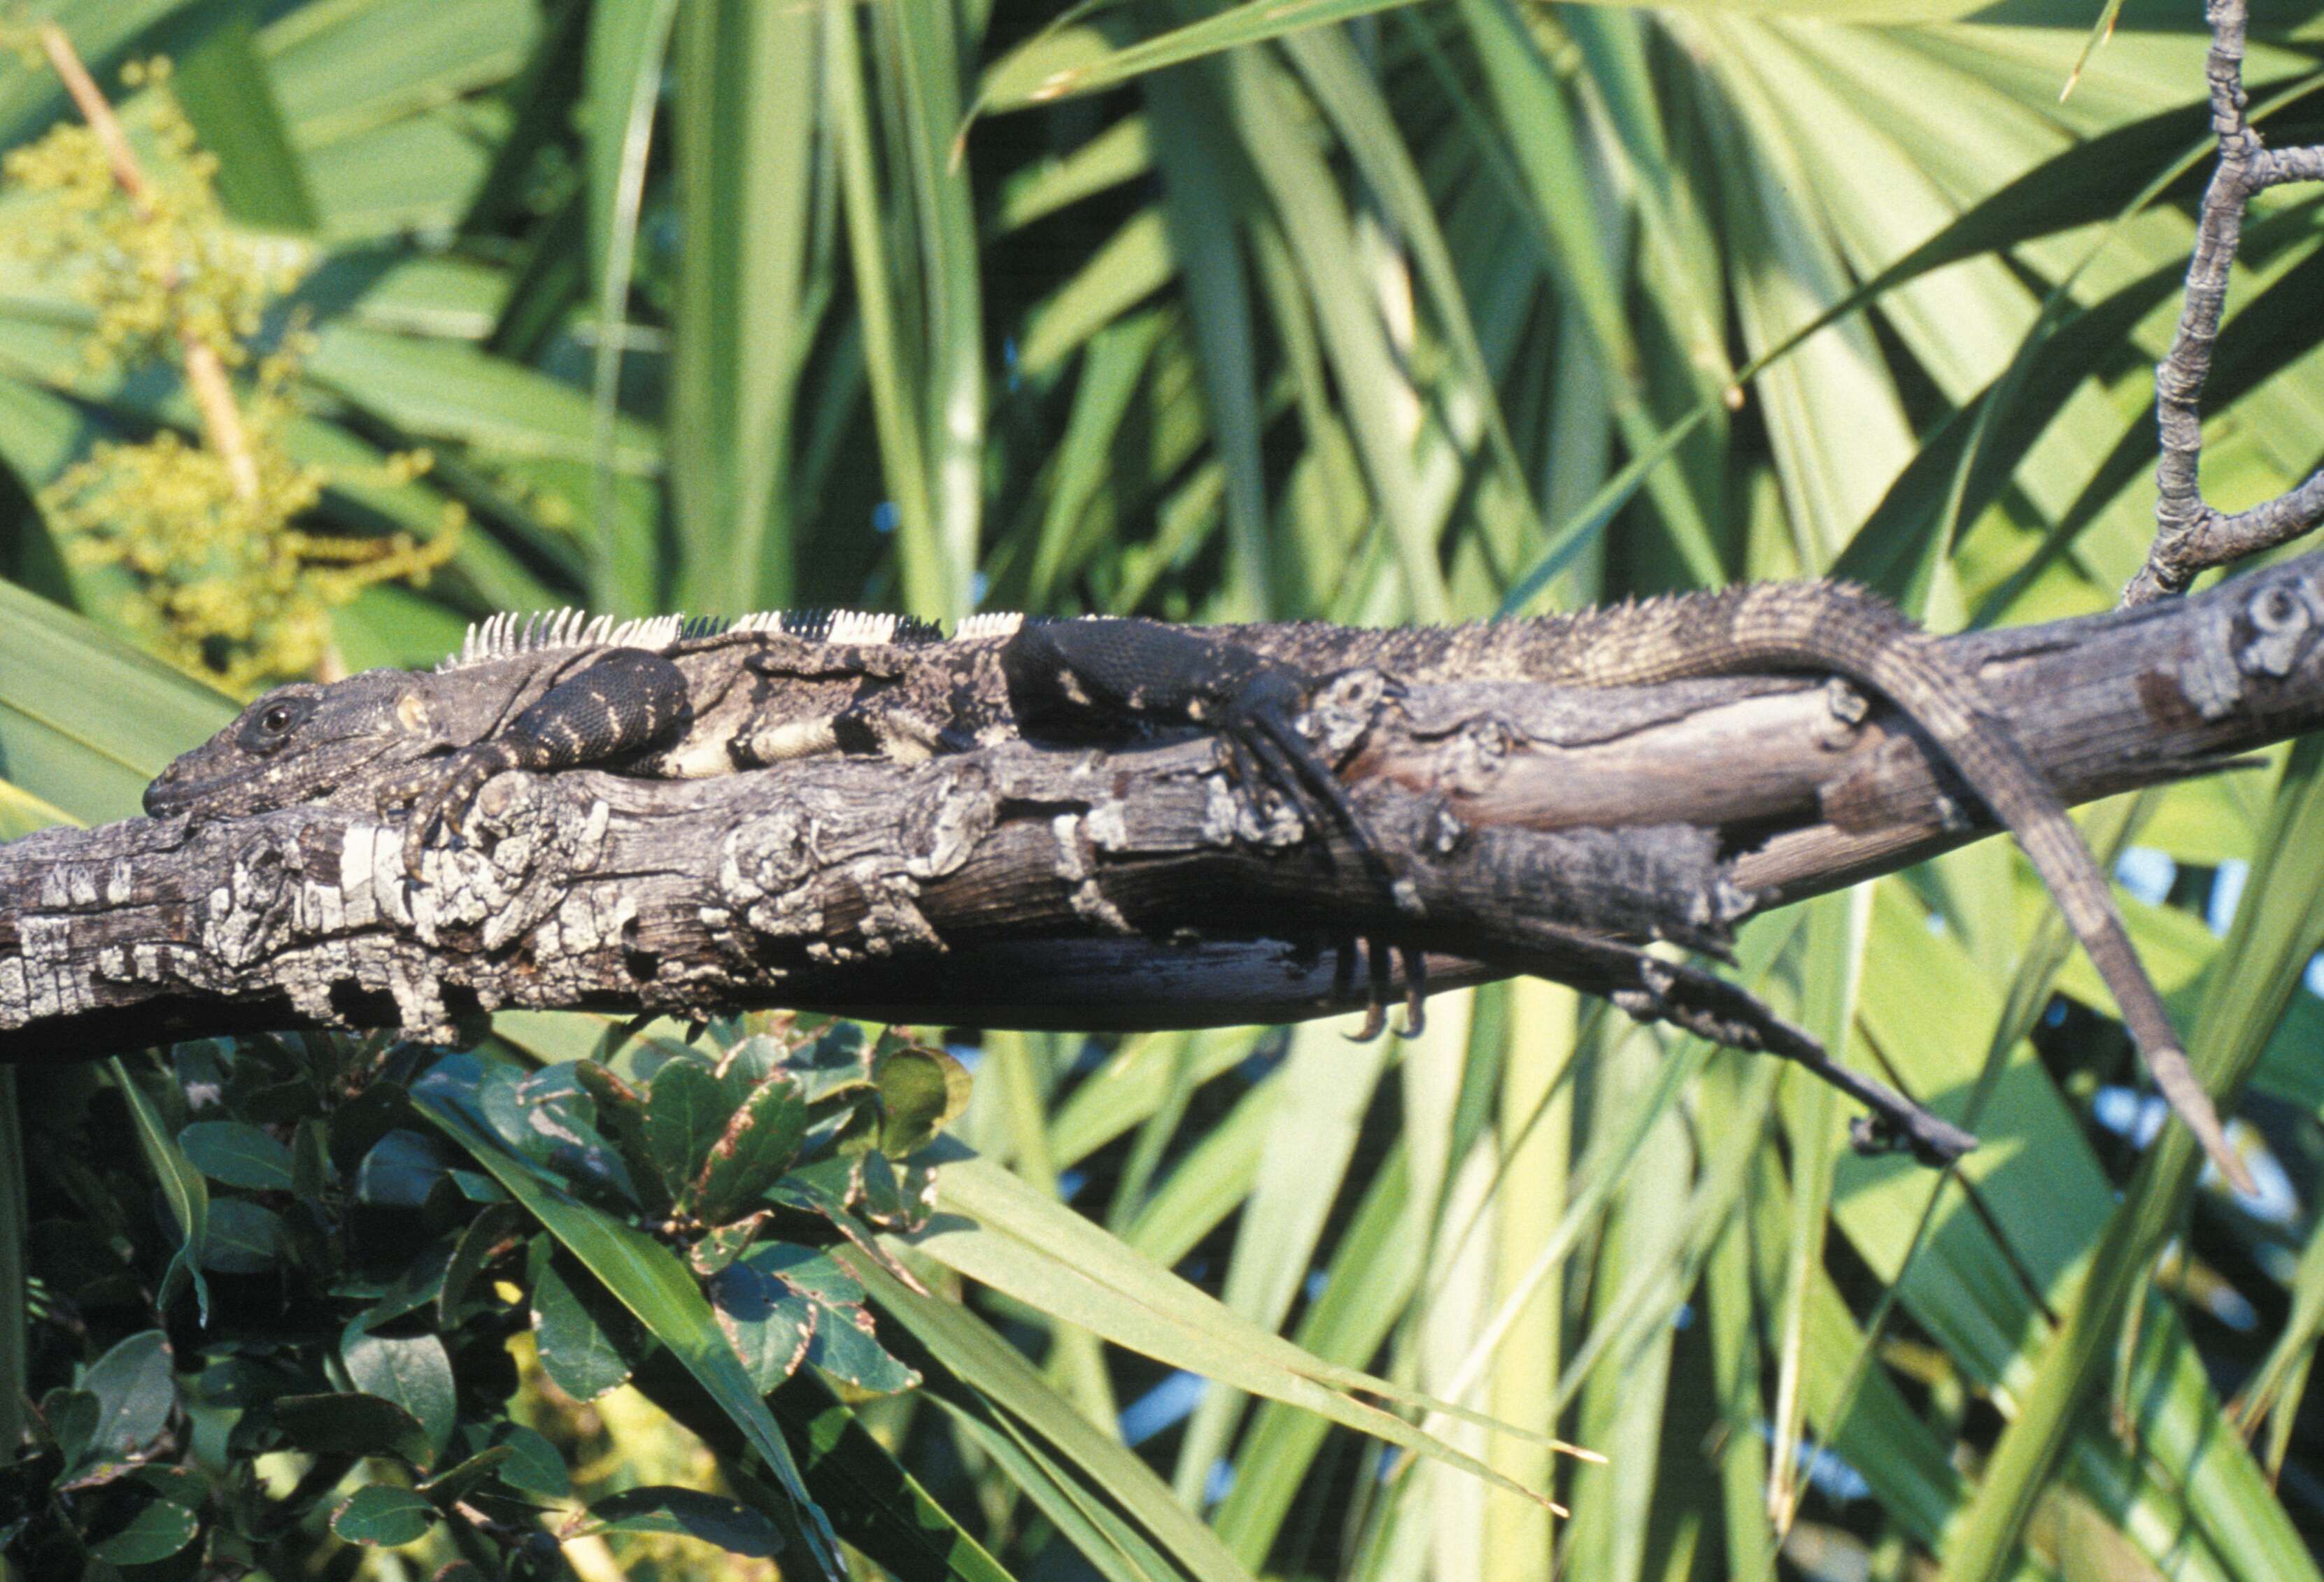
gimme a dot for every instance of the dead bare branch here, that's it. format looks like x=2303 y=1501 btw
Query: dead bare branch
x=2192 y=536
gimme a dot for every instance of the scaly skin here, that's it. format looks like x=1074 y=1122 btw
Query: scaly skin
x=1819 y=627
x=751 y=697
x=748 y=699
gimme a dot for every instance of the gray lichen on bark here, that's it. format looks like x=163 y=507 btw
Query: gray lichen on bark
x=1139 y=887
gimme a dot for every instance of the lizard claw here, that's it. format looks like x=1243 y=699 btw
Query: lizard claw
x=1379 y=957
x=1261 y=738
x=1377 y=965
x=443 y=796
x=1415 y=995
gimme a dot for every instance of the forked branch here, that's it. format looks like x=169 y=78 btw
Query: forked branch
x=2190 y=535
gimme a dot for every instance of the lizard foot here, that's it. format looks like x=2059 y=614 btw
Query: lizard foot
x=1265 y=748
x=1104 y=677
x=1378 y=957
x=442 y=793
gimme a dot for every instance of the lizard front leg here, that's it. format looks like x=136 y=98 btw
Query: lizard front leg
x=1100 y=677
x=628 y=701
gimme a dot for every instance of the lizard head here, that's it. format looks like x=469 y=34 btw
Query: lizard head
x=300 y=743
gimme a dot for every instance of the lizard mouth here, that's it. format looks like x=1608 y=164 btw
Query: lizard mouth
x=166 y=797
x=232 y=790
x=173 y=791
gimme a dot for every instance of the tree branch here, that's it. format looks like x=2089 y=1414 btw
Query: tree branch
x=1540 y=830
x=2190 y=536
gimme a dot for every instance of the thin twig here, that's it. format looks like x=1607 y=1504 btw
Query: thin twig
x=2190 y=536
x=206 y=376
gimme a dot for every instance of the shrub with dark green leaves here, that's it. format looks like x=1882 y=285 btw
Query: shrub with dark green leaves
x=344 y=1240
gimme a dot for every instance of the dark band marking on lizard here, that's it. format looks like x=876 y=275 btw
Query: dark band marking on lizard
x=625 y=702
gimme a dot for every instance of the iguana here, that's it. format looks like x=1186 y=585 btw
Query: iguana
x=666 y=697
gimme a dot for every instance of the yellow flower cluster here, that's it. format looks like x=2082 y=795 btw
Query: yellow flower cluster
x=227 y=586
x=158 y=270
x=224 y=583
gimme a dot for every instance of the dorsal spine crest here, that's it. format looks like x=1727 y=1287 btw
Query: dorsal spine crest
x=512 y=633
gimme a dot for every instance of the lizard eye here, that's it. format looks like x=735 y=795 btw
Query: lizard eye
x=272 y=725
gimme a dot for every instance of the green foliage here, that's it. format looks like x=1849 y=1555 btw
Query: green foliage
x=1331 y=307
x=380 y=1222
x=222 y=581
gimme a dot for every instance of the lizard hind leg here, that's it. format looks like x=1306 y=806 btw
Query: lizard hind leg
x=1289 y=764
x=1650 y=988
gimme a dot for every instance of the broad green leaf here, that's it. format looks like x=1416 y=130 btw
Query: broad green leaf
x=244 y=1238
x=587 y=1342
x=844 y=1341
x=238 y=1154
x=769 y=1322
x=845 y=1345
x=412 y=1371
x=136 y=1393
x=400 y=1170
x=644 y=1275
x=686 y=1116
x=761 y=1138
x=686 y=1513
x=533 y=1463
x=351 y=1424
x=72 y=1418
x=158 y=1531
x=922 y=1090
x=381 y=1516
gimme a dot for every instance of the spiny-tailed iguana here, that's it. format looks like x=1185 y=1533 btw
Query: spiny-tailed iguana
x=664 y=697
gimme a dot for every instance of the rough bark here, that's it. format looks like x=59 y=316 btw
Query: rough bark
x=1532 y=829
